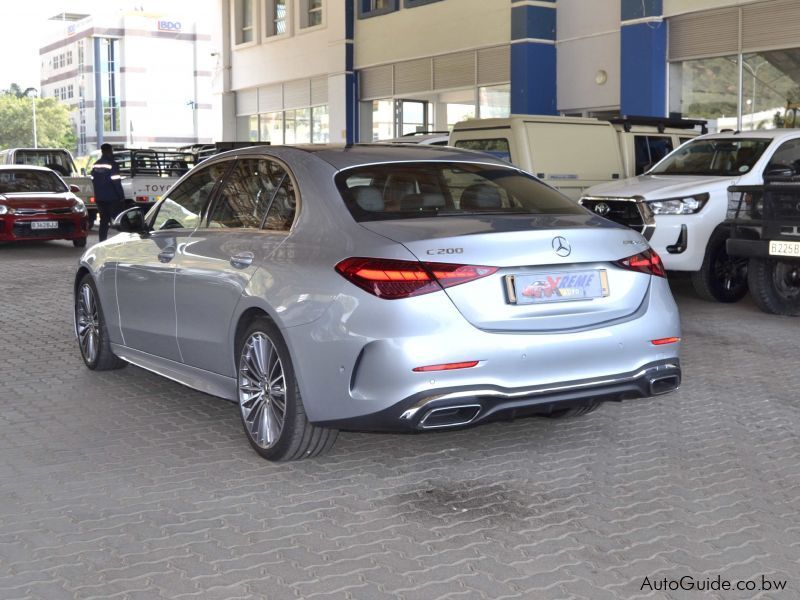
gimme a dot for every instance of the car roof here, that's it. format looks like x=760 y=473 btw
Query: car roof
x=353 y=155
x=768 y=134
x=24 y=167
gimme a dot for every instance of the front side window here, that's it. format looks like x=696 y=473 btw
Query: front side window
x=183 y=208
x=424 y=190
x=23 y=181
x=721 y=157
x=786 y=157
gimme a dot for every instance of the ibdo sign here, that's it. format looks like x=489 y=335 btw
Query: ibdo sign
x=164 y=25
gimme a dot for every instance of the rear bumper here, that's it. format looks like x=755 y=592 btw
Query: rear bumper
x=461 y=406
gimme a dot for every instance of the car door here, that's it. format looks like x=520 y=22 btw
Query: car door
x=251 y=216
x=146 y=266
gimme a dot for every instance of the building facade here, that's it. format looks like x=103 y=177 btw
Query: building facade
x=136 y=79
x=360 y=70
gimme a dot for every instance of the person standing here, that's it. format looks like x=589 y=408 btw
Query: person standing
x=108 y=194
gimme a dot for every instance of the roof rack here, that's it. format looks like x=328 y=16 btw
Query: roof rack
x=628 y=121
x=413 y=133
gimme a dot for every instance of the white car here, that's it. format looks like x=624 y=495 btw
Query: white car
x=680 y=204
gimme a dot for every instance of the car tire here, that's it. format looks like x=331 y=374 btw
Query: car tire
x=79 y=242
x=265 y=375
x=775 y=286
x=576 y=411
x=721 y=278
x=90 y=325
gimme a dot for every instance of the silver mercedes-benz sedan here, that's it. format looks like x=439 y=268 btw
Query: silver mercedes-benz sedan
x=377 y=288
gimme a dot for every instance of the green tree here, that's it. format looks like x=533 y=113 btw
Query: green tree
x=15 y=90
x=53 y=124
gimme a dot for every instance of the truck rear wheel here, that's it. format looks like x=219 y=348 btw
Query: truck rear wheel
x=775 y=286
x=721 y=278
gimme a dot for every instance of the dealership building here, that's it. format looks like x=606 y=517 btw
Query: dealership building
x=359 y=70
x=134 y=78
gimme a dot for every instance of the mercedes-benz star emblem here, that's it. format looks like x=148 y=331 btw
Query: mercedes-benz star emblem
x=602 y=209
x=561 y=246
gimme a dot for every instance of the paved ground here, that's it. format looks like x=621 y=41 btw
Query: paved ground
x=125 y=485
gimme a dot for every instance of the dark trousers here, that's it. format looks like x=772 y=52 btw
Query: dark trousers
x=108 y=209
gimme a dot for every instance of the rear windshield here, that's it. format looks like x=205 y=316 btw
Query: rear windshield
x=58 y=160
x=735 y=156
x=497 y=147
x=420 y=190
x=21 y=181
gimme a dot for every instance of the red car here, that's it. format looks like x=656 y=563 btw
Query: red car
x=36 y=204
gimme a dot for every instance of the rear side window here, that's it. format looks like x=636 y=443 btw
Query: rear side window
x=420 y=190
x=650 y=149
x=497 y=147
x=257 y=191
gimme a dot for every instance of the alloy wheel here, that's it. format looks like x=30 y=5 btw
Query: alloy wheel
x=88 y=323
x=262 y=390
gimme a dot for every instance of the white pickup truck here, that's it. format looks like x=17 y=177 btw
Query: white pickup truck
x=60 y=161
x=680 y=204
x=148 y=174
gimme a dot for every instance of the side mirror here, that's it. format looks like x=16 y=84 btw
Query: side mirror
x=74 y=189
x=130 y=221
x=780 y=173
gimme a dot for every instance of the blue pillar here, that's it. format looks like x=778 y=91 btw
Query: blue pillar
x=643 y=59
x=533 y=58
x=351 y=81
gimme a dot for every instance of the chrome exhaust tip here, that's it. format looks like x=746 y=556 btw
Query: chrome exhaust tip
x=450 y=416
x=665 y=384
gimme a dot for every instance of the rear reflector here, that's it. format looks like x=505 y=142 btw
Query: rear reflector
x=664 y=341
x=645 y=262
x=447 y=366
x=393 y=279
x=142 y=198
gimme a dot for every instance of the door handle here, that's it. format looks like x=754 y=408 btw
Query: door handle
x=166 y=255
x=242 y=260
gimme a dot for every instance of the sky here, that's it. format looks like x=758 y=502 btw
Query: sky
x=25 y=25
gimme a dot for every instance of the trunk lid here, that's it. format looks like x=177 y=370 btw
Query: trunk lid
x=535 y=252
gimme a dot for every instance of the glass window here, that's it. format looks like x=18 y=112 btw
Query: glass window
x=253 y=128
x=382 y=119
x=276 y=17
x=319 y=125
x=786 y=157
x=283 y=207
x=298 y=126
x=721 y=156
x=494 y=101
x=246 y=195
x=497 y=147
x=183 y=207
x=771 y=80
x=649 y=149
x=24 y=181
x=312 y=15
x=446 y=189
x=272 y=127
x=707 y=89
x=57 y=161
x=244 y=19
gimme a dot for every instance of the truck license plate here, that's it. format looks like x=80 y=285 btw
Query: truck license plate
x=777 y=248
x=44 y=224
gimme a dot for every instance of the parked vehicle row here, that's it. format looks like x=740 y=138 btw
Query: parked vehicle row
x=378 y=288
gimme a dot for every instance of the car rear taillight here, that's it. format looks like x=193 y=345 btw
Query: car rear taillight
x=91 y=199
x=393 y=279
x=142 y=198
x=645 y=262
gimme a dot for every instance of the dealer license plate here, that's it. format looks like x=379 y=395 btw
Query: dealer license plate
x=777 y=248
x=541 y=288
x=44 y=224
